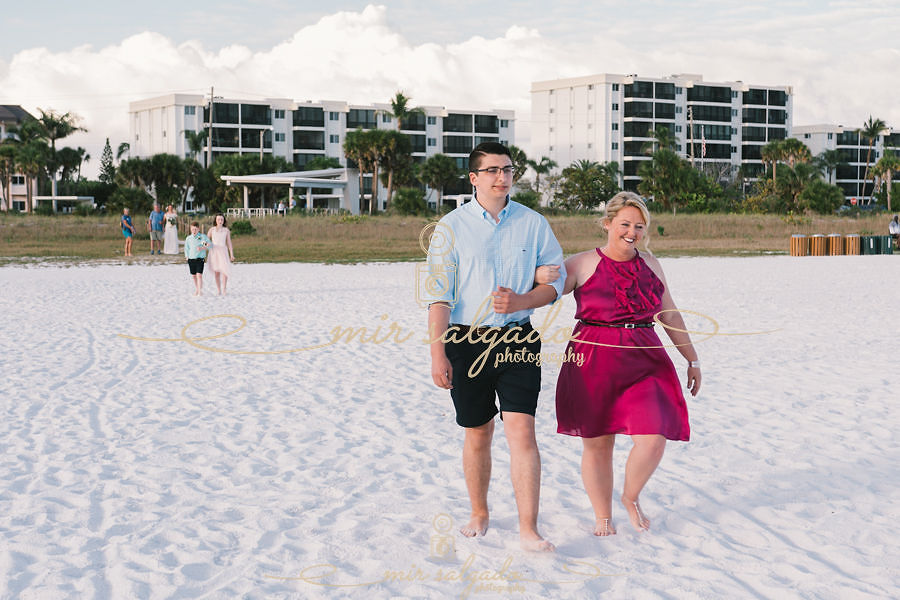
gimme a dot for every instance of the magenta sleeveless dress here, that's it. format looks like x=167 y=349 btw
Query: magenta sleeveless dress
x=628 y=390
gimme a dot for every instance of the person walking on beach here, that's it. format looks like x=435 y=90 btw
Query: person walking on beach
x=222 y=254
x=195 y=247
x=496 y=246
x=627 y=383
x=894 y=230
x=155 y=227
x=127 y=231
x=170 y=245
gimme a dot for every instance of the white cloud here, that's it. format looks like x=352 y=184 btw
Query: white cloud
x=361 y=57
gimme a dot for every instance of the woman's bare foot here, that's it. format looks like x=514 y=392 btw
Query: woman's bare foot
x=604 y=527
x=477 y=525
x=535 y=543
x=638 y=519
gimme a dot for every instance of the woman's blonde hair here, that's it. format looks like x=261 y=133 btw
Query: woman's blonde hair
x=620 y=201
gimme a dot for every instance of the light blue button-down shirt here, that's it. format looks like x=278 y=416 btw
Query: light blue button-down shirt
x=474 y=254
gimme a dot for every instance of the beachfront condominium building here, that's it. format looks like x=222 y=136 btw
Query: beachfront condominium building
x=302 y=131
x=853 y=148
x=11 y=117
x=720 y=127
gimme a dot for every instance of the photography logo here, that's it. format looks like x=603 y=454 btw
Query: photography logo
x=436 y=279
x=442 y=545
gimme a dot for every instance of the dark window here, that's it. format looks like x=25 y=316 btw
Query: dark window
x=752 y=169
x=712 y=132
x=417 y=143
x=850 y=155
x=358 y=117
x=225 y=137
x=777 y=116
x=309 y=116
x=223 y=113
x=665 y=111
x=255 y=114
x=457 y=144
x=634 y=148
x=776 y=133
x=414 y=122
x=631 y=167
x=309 y=140
x=482 y=138
x=639 y=89
x=458 y=123
x=777 y=98
x=848 y=138
x=892 y=140
x=753 y=115
x=458 y=186
x=487 y=124
x=712 y=113
x=848 y=172
x=300 y=160
x=639 y=109
x=712 y=150
x=753 y=134
x=637 y=128
x=250 y=138
x=850 y=189
x=665 y=91
x=708 y=93
x=751 y=152
x=754 y=96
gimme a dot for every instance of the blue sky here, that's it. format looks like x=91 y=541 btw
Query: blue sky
x=94 y=57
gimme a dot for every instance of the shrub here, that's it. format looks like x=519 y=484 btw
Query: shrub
x=409 y=201
x=528 y=198
x=244 y=227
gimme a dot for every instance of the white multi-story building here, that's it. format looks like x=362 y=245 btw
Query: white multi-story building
x=609 y=117
x=301 y=131
x=853 y=148
x=12 y=115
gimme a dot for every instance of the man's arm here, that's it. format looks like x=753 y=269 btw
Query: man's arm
x=438 y=321
x=507 y=301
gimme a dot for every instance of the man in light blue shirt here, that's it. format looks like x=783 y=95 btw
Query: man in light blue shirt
x=482 y=261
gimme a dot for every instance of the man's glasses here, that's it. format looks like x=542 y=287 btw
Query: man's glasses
x=507 y=170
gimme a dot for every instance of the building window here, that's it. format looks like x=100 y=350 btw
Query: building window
x=590 y=126
x=432 y=142
x=590 y=145
x=190 y=110
x=333 y=116
x=279 y=137
x=432 y=120
x=677 y=110
x=504 y=122
x=615 y=106
x=334 y=139
x=733 y=96
x=18 y=180
x=830 y=136
x=590 y=106
x=677 y=91
x=164 y=133
x=734 y=131
x=678 y=129
x=551 y=130
x=805 y=136
x=551 y=148
x=734 y=150
x=734 y=112
x=279 y=113
x=385 y=118
x=615 y=126
x=590 y=86
x=615 y=145
x=615 y=87
x=551 y=111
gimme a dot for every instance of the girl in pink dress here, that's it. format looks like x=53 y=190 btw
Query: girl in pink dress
x=222 y=253
x=627 y=383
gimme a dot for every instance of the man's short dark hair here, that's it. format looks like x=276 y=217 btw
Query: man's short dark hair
x=483 y=149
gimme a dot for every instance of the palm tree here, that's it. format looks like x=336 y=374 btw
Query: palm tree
x=31 y=158
x=437 y=171
x=519 y=161
x=55 y=126
x=772 y=153
x=354 y=151
x=400 y=109
x=870 y=130
x=542 y=167
x=828 y=161
x=397 y=152
x=794 y=151
x=885 y=168
x=662 y=138
x=8 y=166
x=195 y=141
x=123 y=149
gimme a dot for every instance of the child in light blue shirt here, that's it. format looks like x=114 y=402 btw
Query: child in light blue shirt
x=195 y=247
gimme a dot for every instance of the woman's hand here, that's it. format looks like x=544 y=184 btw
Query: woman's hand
x=693 y=380
x=546 y=274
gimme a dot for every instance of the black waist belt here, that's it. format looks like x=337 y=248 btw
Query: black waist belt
x=622 y=325
x=479 y=331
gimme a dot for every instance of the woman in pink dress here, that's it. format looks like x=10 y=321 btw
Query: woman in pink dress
x=627 y=383
x=222 y=253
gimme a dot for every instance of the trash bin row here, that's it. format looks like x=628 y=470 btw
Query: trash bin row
x=835 y=244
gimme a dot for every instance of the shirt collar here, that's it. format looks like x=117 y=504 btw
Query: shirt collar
x=482 y=212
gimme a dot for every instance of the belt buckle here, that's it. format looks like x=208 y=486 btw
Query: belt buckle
x=629 y=325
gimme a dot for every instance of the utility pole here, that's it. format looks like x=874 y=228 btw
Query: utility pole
x=209 y=138
x=690 y=115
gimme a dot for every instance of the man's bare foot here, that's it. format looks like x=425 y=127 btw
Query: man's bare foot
x=638 y=519
x=477 y=525
x=536 y=544
x=604 y=527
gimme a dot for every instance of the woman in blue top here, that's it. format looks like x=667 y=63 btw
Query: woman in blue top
x=127 y=231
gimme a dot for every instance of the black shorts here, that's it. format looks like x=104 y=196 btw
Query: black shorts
x=196 y=266
x=510 y=372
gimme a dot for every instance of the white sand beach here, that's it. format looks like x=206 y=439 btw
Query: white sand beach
x=195 y=463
